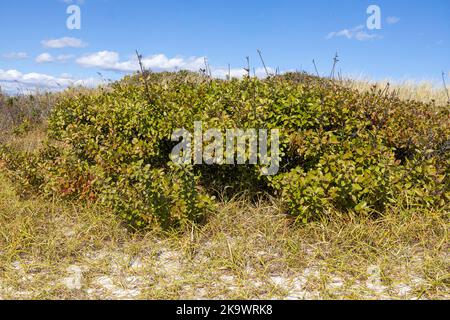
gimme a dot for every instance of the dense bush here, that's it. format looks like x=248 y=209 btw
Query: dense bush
x=341 y=150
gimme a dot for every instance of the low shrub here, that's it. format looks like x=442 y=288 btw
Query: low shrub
x=340 y=149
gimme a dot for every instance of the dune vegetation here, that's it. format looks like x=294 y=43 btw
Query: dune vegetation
x=92 y=206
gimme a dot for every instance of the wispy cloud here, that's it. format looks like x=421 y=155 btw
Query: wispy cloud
x=15 y=55
x=79 y=2
x=222 y=73
x=44 y=58
x=12 y=80
x=64 y=42
x=47 y=58
x=64 y=57
x=110 y=60
x=358 y=33
x=392 y=20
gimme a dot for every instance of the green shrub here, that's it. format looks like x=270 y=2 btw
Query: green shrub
x=341 y=150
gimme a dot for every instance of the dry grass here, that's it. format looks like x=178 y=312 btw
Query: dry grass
x=244 y=251
x=424 y=91
x=28 y=142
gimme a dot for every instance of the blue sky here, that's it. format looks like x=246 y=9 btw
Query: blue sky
x=39 y=50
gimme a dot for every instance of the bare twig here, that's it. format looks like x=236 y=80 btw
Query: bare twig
x=340 y=74
x=144 y=77
x=264 y=64
x=385 y=90
x=315 y=67
x=445 y=86
x=248 y=67
x=141 y=66
x=335 y=61
x=207 y=68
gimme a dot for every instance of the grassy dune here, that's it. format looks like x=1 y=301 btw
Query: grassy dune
x=51 y=248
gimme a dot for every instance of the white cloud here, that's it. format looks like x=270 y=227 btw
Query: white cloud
x=104 y=60
x=44 y=58
x=15 y=55
x=66 y=75
x=222 y=73
x=364 y=36
x=160 y=61
x=110 y=60
x=13 y=80
x=64 y=57
x=357 y=33
x=63 y=43
x=79 y=2
x=392 y=20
